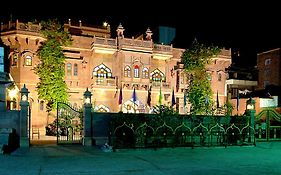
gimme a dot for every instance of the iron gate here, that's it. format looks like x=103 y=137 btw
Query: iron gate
x=268 y=125
x=69 y=124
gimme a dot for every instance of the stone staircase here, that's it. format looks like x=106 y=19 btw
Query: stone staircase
x=9 y=140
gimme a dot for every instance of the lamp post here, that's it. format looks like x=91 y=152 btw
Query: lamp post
x=87 y=141
x=250 y=109
x=24 y=104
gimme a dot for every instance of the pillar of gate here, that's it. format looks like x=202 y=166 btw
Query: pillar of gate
x=24 y=105
x=87 y=114
x=251 y=111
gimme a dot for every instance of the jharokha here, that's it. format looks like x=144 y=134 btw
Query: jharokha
x=104 y=64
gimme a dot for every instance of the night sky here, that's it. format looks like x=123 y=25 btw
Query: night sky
x=249 y=28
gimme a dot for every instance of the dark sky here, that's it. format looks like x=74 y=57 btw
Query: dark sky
x=250 y=28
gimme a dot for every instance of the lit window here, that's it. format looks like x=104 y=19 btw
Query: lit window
x=68 y=69
x=136 y=71
x=145 y=73
x=75 y=71
x=28 y=60
x=157 y=75
x=102 y=71
x=15 y=59
x=127 y=72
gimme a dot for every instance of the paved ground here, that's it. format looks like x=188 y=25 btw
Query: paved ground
x=265 y=158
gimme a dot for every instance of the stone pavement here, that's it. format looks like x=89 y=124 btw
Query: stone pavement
x=265 y=158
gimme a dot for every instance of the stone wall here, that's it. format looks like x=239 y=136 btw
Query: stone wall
x=10 y=119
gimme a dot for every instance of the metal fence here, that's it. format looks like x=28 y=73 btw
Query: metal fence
x=155 y=131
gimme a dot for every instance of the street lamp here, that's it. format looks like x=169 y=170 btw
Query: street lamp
x=24 y=94
x=250 y=104
x=87 y=97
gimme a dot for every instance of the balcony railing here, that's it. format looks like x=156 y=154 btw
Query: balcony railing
x=104 y=41
x=100 y=81
x=31 y=27
x=135 y=43
x=162 y=48
x=163 y=85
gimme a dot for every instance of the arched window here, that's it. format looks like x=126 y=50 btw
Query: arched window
x=75 y=70
x=127 y=71
x=136 y=71
x=28 y=60
x=267 y=62
x=219 y=76
x=145 y=73
x=102 y=71
x=157 y=75
x=41 y=106
x=68 y=69
x=15 y=59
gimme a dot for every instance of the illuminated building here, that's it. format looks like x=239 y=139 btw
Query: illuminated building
x=103 y=64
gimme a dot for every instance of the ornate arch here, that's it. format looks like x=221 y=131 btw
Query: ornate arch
x=102 y=71
x=157 y=75
x=102 y=108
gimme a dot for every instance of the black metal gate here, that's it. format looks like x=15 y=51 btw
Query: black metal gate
x=69 y=124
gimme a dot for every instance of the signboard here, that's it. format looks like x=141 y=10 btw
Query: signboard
x=269 y=102
x=1 y=59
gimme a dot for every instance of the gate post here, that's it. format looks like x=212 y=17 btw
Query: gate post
x=252 y=112
x=87 y=115
x=24 y=104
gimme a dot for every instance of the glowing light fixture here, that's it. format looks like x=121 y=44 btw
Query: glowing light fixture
x=13 y=93
x=87 y=97
x=250 y=104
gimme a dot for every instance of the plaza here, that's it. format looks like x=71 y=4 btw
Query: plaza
x=78 y=160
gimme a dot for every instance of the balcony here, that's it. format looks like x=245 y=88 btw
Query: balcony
x=20 y=26
x=162 y=48
x=241 y=82
x=163 y=85
x=106 y=82
x=162 y=52
x=145 y=86
x=135 y=44
x=104 y=45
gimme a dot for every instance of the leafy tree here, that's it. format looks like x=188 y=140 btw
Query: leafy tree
x=195 y=60
x=51 y=86
x=164 y=110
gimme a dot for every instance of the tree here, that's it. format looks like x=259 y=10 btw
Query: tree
x=195 y=60
x=51 y=86
x=164 y=110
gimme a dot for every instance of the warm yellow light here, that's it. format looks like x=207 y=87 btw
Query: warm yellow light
x=250 y=106
x=24 y=98
x=13 y=93
x=87 y=100
x=105 y=24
